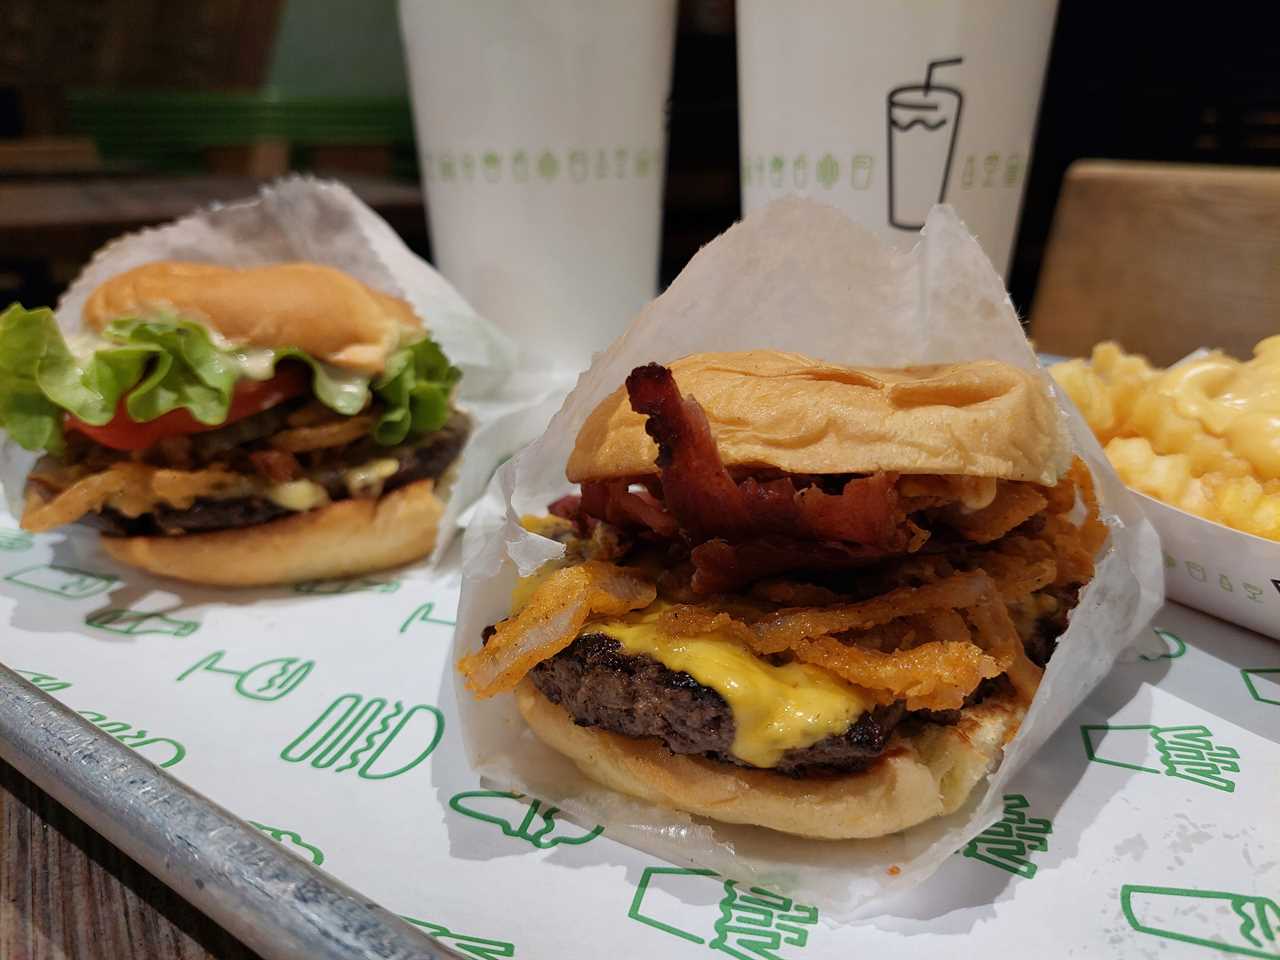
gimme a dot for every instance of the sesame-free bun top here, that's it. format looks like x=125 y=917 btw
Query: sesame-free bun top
x=329 y=314
x=982 y=418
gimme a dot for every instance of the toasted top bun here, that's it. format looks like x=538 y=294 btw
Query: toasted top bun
x=983 y=418
x=329 y=314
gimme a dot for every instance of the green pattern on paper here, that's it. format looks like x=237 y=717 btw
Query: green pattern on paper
x=1009 y=843
x=448 y=169
x=520 y=166
x=800 y=171
x=268 y=680
x=43 y=681
x=601 y=167
x=1186 y=752
x=828 y=171
x=967 y=172
x=354 y=585
x=644 y=160
x=750 y=924
x=135 y=739
x=68 y=583
x=468 y=167
x=1012 y=169
x=478 y=948
x=620 y=162
x=15 y=541
x=776 y=169
x=537 y=821
x=1250 y=929
x=990 y=164
x=1250 y=672
x=1175 y=648
x=491 y=166
x=424 y=614
x=360 y=730
x=577 y=165
x=137 y=622
x=290 y=838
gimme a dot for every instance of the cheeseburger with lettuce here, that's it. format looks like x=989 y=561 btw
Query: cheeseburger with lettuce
x=804 y=596
x=235 y=426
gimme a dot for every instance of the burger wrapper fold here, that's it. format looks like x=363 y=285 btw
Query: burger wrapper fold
x=302 y=218
x=799 y=276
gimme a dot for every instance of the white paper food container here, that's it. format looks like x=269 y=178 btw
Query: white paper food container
x=1225 y=572
x=798 y=276
x=301 y=218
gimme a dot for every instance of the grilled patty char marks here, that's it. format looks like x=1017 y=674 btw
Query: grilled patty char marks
x=427 y=458
x=638 y=697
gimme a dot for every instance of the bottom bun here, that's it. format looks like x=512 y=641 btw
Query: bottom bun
x=929 y=774
x=343 y=539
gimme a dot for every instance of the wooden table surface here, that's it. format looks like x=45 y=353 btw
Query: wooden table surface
x=67 y=894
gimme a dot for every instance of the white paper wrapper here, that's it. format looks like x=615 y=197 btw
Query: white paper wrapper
x=301 y=218
x=799 y=276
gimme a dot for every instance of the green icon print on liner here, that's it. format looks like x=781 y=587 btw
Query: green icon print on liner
x=1010 y=843
x=43 y=681
x=365 y=735
x=1259 y=688
x=67 y=583
x=355 y=585
x=1234 y=923
x=478 y=948
x=750 y=924
x=170 y=749
x=137 y=622
x=532 y=821
x=268 y=680
x=291 y=839
x=1172 y=645
x=828 y=171
x=425 y=614
x=15 y=541
x=1186 y=752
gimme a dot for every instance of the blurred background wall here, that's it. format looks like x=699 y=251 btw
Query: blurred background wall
x=131 y=111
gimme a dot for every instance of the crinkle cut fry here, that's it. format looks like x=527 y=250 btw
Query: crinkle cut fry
x=550 y=620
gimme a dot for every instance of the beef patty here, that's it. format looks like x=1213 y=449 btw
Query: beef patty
x=638 y=697
x=428 y=457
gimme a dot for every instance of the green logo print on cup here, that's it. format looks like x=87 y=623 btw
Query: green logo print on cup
x=425 y=614
x=861 y=171
x=548 y=165
x=291 y=839
x=379 y=739
x=478 y=948
x=43 y=681
x=1263 y=683
x=491 y=166
x=268 y=680
x=750 y=924
x=136 y=622
x=1235 y=923
x=1009 y=843
x=521 y=818
x=1186 y=752
x=168 y=748
x=15 y=541
x=354 y=585
x=828 y=171
x=67 y=583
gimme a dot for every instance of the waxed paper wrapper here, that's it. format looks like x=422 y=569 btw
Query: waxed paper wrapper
x=799 y=276
x=302 y=218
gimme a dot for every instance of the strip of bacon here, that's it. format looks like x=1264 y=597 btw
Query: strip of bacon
x=708 y=504
x=722 y=567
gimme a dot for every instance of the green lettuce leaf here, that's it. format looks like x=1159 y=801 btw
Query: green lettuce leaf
x=158 y=366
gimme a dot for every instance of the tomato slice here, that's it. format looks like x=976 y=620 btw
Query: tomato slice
x=250 y=397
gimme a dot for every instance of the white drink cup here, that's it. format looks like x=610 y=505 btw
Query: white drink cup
x=885 y=107
x=542 y=137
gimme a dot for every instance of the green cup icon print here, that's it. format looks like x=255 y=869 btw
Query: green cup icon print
x=268 y=680
x=923 y=121
x=136 y=622
x=1185 y=752
x=749 y=923
x=521 y=818
x=377 y=738
x=1240 y=924
x=67 y=583
x=15 y=541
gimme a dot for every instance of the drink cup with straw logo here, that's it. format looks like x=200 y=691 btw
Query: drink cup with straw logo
x=883 y=108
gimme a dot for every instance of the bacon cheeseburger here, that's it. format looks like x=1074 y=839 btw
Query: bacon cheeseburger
x=235 y=427
x=810 y=597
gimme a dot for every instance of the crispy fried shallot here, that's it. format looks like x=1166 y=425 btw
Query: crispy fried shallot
x=550 y=620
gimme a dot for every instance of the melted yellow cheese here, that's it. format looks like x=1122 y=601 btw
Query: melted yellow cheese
x=368 y=478
x=775 y=708
x=298 y=495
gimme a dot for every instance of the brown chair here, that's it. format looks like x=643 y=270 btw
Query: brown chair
x=1162 y=257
